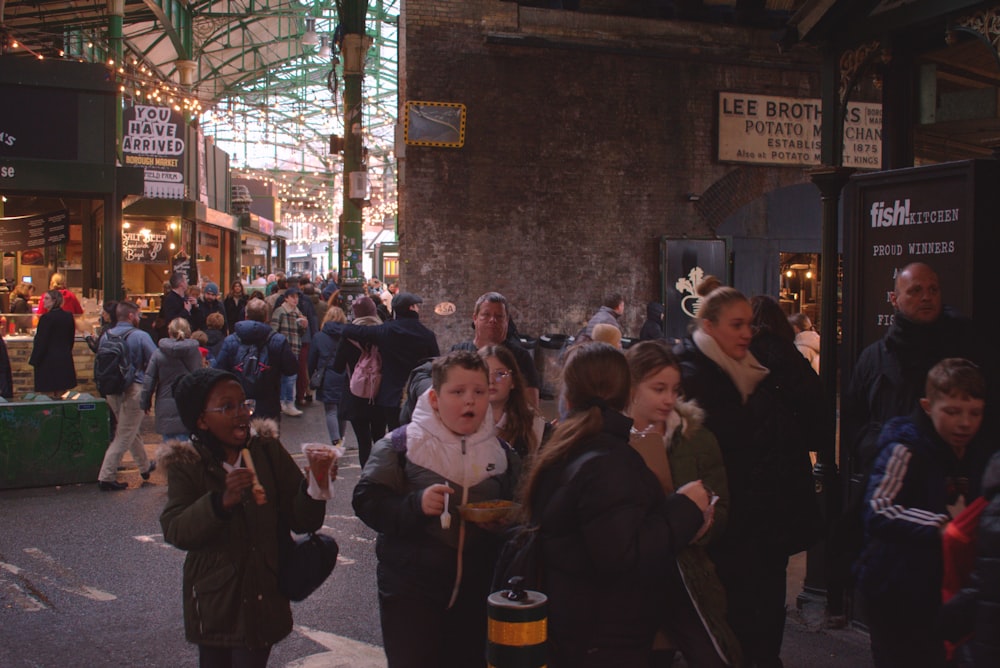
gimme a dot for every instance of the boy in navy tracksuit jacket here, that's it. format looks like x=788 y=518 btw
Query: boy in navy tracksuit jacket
x=928 y=466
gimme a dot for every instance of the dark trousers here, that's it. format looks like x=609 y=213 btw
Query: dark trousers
x=419 y=632
x=904 y=633
x=232 y=657
x=391 y=416
x=368 y=422
x=302 y=381
x=754 y=578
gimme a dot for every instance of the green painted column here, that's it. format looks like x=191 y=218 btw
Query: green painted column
x=354 y=46
x=111 y=237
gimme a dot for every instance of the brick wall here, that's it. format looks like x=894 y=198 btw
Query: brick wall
x=584 y=133
x=19 y=350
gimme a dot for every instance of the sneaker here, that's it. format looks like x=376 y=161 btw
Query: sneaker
x=288 y=408
x=113 y=486
x=152 y=467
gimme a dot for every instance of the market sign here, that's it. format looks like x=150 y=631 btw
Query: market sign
x=24 y=233
x=770 y=130
x=144 y=246
x=153 y=138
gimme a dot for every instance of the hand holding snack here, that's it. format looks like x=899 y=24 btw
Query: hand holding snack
x=322 y=462
x=322 y=468
x=259 y=495
x=237 y=482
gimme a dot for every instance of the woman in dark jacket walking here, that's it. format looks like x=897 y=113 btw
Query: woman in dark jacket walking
x=773 y=511
x=609 y=533
x=52 y=353
x=322 y=352
x=235 y=304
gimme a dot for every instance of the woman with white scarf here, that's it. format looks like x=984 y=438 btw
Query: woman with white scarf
x=772 y=500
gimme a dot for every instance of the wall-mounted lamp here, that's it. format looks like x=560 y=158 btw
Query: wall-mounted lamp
x=692 y=197
x=309 y=37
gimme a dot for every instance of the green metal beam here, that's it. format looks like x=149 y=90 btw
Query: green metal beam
x=175 y=20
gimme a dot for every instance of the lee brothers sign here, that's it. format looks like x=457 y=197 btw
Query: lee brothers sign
x=769 y=130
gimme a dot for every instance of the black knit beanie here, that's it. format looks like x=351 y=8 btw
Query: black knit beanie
x=191 y=391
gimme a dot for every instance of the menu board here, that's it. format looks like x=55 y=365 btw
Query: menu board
x=146 y=245
x=914 y=215
x=23 y=233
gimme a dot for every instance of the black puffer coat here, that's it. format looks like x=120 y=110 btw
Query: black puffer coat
x=976 y=607
x=609 y=536
x=764 y=444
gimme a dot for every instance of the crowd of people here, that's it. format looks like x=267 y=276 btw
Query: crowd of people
x=672 y=488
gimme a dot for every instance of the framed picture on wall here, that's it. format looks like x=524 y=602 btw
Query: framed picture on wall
x=434 y=124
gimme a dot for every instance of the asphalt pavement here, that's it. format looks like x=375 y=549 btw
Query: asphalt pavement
x=86 y=579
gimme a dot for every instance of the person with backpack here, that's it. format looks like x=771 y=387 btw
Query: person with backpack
x=367 y=419
x=119 y=371
x=434 y=571
x=609 y=532
x=403 y=343
x=259 y=357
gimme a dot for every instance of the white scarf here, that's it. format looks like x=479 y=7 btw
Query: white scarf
x=746 y=373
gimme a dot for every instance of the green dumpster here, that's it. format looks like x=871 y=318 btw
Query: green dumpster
x=46 y=443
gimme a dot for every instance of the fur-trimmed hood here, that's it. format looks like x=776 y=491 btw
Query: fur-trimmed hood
x=692 y=416
x=184 y=452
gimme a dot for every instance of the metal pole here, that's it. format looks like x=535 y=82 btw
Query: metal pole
x=354 y=46
x=111 y=244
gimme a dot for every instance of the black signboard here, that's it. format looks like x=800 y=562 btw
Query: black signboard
x=24 y=233
x=924 y=215
x=145 y=245
x=38 y=123
x=685 y=263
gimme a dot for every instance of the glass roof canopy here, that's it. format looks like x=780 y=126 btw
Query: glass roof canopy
x=270 y=98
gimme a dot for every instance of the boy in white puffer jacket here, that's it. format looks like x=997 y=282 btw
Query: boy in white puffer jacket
x=434 y=577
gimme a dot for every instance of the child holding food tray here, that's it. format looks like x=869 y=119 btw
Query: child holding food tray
x=434 y=571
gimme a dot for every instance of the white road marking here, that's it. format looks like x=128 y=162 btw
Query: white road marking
x=342 y=652
x=12 y=595
x=156 y=539
x=73 y=584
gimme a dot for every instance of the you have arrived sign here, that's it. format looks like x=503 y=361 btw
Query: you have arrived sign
x=153 y=138
x=771 y=130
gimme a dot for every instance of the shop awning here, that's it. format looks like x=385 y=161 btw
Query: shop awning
x=186 y=209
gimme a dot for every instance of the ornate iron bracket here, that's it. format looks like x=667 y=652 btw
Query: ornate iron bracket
x=984 y=25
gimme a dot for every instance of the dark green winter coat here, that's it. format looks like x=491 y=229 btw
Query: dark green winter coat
x=230 y=589
x=694 y=454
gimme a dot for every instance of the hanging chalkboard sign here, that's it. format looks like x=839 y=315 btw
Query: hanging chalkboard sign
x=182 y=264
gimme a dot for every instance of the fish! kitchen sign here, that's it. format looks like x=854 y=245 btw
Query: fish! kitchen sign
x=770 y=130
